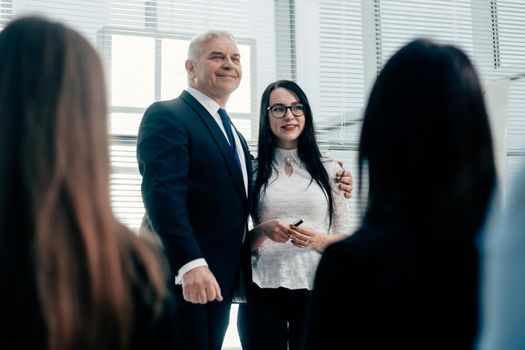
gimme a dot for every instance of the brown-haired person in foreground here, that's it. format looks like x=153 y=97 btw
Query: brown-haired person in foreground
x=408 y=278
x=72 y=277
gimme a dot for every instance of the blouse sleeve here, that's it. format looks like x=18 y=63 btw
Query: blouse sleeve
x=341 y=214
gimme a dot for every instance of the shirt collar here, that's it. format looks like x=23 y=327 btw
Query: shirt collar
x=281 y=154
x=207 y=102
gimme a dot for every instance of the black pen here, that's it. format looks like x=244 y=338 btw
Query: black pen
x=298 y=222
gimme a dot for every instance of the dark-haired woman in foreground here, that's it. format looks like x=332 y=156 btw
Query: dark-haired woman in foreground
x=408 y=278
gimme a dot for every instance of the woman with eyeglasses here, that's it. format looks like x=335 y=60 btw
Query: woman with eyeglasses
x=294 y=186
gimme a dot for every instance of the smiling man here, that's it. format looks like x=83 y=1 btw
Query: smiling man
x=196 y=190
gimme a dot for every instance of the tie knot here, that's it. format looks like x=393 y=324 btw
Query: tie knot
x=224 y=116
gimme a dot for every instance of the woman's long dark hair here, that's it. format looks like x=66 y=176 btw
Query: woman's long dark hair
x=307 y=148
x=82 y=269
x=426 y=140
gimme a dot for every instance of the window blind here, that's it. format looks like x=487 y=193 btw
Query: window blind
x=145 y=45
x=511 y=39
x=333 y=48
x=331 y=68
x=5 y=12
x=490 y=32
x=348 y=41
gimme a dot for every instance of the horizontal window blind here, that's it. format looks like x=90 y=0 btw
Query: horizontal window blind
x=162 y=29
x=490 y=32
x=511 y=39
x=6 y=11
x=331 y=67
x=333 y=48
x=446 y=21
x=349 y=41
x=144 y=44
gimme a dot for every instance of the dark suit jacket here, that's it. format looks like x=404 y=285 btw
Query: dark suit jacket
x=396 y=288
x=192 y=187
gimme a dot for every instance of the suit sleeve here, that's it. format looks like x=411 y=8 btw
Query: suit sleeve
x=163 y=158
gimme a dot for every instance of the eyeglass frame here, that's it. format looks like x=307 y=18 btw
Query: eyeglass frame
x=286 y=108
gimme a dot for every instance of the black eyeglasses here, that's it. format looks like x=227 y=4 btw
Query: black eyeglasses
x=279 y=110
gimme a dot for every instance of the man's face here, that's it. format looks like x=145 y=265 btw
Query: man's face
x=217 y=70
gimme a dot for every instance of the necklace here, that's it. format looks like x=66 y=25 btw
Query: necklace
x=288 y=168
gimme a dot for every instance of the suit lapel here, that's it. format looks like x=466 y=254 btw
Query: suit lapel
x=247 y=160
x=220 y=141
x=249 y=171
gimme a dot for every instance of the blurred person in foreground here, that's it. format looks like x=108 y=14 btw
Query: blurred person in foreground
x=503 y=265
x=408 y=278
x=72 y=276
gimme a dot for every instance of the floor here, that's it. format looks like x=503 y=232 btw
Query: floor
x=231 y=340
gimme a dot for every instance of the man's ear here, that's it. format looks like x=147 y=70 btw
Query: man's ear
x=190 y=68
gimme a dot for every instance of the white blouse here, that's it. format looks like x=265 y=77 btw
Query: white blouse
x=290 y=198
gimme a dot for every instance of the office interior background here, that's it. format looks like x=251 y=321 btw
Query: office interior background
x=332 y=48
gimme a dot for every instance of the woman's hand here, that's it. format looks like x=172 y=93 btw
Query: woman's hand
x=303 y=237
x=274 y=229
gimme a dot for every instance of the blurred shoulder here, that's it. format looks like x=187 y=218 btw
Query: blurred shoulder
x=365 y=244
x=145 y=254
x=147 y=276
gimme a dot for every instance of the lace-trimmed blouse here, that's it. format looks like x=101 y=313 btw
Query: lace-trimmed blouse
x=290 y=198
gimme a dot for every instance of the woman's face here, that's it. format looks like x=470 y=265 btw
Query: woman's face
x=288 y=128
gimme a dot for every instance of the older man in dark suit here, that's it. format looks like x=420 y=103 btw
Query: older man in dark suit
x=196 y=188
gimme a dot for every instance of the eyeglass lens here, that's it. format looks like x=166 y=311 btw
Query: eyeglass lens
x=279 y=110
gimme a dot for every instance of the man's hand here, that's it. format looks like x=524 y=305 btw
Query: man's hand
x=344 y=177
x=199 y=286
